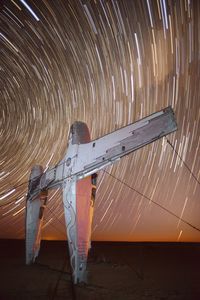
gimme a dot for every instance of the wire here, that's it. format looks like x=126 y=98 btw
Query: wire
x=51 y=269
x=35 y=179
x=154 y=202
x=14 y=187
x=183 y=161
x=55 y=216
x=58 y=229
x=58 y=279
x=31 y=180
x=59 y=164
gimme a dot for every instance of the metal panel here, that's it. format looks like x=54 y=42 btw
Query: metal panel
x=113 y=146
x=33 y=205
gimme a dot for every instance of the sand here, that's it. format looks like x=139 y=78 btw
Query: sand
x=136 y=271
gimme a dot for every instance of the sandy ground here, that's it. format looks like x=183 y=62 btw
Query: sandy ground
x=136 y=271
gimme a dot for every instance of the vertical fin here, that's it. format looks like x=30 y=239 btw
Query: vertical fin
x=69 y=202
x=35 y=205
x=43 y=201
x=77 y=205
x=84 y=218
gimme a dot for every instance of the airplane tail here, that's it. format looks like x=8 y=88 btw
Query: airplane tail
x=83 y=158
x=35 y=204
x=78 y=216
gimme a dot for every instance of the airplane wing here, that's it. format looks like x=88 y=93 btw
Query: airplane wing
x=101 y=152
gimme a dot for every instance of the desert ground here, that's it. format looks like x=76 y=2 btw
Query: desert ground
x=132 y=271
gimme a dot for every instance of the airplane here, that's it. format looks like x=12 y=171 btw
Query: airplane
x=76 y=175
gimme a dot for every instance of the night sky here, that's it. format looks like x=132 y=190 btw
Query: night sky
x=106 y=63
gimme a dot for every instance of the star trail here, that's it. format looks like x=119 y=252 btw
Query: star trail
x=108 y=64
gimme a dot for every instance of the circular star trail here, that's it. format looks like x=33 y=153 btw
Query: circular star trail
x=108 y=64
